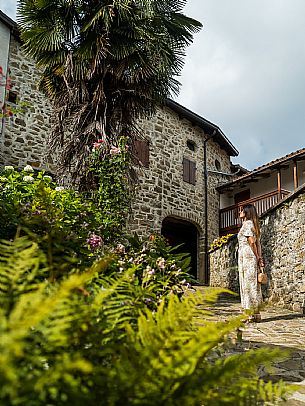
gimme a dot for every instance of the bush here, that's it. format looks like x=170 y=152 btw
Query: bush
x=84 y=340
x=109 y=166
x=64 y=222
x=156 y=267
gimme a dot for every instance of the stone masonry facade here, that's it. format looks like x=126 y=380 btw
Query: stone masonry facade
x=23 y=138
x=283 y=246
x=161 y=191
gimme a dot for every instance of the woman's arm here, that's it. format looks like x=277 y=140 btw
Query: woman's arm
x=257 y=250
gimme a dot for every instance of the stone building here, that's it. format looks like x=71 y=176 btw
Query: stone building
x=174 y=177
x=183 y=157
x=23 y=134
x=263 y=187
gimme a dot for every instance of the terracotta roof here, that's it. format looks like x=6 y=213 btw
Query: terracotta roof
x=277 y=163
x=207 y=126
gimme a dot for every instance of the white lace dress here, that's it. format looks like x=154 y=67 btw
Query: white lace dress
x=250 y=289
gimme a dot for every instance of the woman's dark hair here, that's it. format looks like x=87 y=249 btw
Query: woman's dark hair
x=251 y=214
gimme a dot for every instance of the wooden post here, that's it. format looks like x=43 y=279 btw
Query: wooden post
x=279 y=183
x=295 y=175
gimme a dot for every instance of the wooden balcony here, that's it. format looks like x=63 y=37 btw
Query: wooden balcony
x=229 y=217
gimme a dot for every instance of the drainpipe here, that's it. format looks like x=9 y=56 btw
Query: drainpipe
x=2 y=129
x=206 y=239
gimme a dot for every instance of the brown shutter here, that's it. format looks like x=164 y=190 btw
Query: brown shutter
x=141 y=153
x=192 y=173
x=189 y=171
x=145 y=149
x=186 y=170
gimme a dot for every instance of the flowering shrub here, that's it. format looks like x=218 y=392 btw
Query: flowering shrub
x=110 y=165
x=219 y=242
x=62 y=221
x=156 y=268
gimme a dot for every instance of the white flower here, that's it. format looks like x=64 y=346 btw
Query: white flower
x=8 y=168
x=114 y=150
x=28 y=168
x=120 y=248
x=59 y=188
x=161 y=263
x=28 y=179
x=47 y=177
x=150 y=271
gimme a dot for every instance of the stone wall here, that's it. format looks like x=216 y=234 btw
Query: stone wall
x=24 y=136
x=283 y=245
x=223 y=266
x=161 y=191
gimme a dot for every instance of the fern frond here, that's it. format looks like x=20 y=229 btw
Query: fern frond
x=22 y=266
x=184 y=361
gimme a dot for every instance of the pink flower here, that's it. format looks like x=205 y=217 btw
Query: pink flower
x=100 y=140
x=96 y=145
x=95 y=242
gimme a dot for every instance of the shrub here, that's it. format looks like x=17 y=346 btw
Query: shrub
x=109 y=165
x=63 y=221
x=157 y=268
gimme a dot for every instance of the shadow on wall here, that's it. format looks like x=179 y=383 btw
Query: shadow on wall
x=176 y=232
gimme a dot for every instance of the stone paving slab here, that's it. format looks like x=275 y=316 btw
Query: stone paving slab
x=279 y=328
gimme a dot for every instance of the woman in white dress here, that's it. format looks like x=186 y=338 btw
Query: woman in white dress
x=249 y=261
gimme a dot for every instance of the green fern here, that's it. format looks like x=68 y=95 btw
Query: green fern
x=21 y=266
x=90 y=339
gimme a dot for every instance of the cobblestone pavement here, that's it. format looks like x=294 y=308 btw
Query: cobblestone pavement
x=279 y=328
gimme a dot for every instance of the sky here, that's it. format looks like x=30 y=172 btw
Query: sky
x=245 y=72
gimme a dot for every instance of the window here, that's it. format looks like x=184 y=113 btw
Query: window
x=141 y=153
x=217 y=165
x=12 y=97
x=191 y=145
x=189 y=171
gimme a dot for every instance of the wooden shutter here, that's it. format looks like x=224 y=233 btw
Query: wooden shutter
x=189 y=171
x=186 y=170
x=141 y=153
x=192 y=173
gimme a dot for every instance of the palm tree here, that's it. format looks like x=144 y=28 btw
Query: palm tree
x=104 y=64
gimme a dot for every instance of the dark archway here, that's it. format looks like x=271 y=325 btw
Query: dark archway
x=177 y=232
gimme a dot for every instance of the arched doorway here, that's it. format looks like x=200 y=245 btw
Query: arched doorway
x=177 y=232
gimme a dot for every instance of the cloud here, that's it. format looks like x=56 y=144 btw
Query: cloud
x=244 y=72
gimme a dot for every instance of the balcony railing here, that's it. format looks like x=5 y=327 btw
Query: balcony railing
x=229 y=217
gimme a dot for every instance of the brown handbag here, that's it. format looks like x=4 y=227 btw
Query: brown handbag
x=262 y=277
